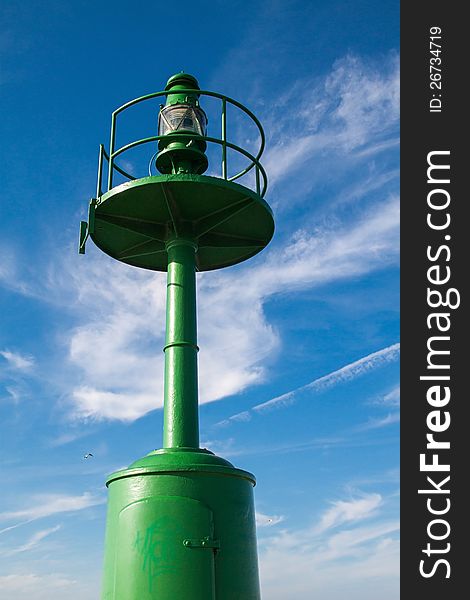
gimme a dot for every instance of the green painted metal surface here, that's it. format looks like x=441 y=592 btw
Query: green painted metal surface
x=133 y=221
x=181 y=525
x=181 y=521
x=179 y=153
x=152 y=547
x=181 y=428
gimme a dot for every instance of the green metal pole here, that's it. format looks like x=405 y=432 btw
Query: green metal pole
x=180 y=421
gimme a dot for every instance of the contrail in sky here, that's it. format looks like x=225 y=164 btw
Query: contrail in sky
x=346 y=373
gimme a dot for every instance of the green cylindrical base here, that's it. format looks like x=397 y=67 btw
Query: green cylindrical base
x=181 y=526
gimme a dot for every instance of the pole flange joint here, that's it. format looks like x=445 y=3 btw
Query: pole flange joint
x=183 y=344
x=180 y=241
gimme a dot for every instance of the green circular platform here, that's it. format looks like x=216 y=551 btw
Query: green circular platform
x=229 y=222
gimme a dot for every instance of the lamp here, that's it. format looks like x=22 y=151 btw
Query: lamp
x=178 y=152
x=182 y=117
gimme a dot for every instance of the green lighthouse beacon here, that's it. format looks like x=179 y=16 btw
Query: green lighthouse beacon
x=181 y=520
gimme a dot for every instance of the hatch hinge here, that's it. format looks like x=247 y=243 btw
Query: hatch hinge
x=205 y=542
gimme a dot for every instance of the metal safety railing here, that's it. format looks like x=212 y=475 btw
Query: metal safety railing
x=261 y=180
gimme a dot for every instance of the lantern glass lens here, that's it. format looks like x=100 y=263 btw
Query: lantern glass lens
x=182 y=117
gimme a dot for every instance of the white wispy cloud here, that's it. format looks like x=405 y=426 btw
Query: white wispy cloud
x=33 y=541
x=46 y=505
x=391 y=398
x=66 y=438
x=346 y=373
x=107 y=348
x=18 y=361
x=8 y=269
x=224 y=447
x=263 y=520
x=31 y=583
x=103 y=404
x=117 y=346
x=327 y=255
x=354 y=112
x=15 y=393
x=348 y=547
x=389 y=476
x=351 y=561
x=241 y=417
x=350 y=542
x=349 y=511
x=379 y=422
x=230 y=449
x=15 y=369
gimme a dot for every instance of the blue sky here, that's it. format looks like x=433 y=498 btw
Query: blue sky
x=299 y=360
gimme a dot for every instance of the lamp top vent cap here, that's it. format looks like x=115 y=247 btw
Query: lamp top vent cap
x=182 y=79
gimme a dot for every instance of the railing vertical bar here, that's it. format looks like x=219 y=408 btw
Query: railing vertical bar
x=224 y=138
x=257 y=179
x=100 y=172
x=111 y=151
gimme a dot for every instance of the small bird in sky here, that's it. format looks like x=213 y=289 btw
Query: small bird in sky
x=88 y=455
